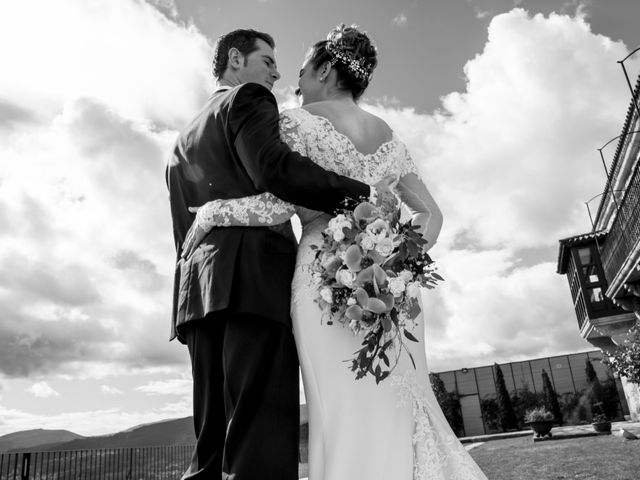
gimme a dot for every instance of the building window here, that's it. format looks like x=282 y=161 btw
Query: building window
x=590 y=273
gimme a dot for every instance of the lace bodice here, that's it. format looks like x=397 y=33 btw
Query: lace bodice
x=315 y=137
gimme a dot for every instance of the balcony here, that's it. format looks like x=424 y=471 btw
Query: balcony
x=620 y=253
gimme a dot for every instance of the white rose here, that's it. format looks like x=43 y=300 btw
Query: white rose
x=338 y=235
x=385 y=247
x=396 y=286
x=326 y=294
x=378 y=229
x=367 y=242
x=346 y=277
x=406 y=275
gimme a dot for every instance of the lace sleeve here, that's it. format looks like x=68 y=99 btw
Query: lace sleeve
x=255 y=211
x=290 y=132
x=416 y=198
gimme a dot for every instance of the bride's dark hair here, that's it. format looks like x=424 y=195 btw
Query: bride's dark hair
x=352 y=54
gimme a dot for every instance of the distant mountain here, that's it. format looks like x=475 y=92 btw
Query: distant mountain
x=168 y=432
x=28 y=439
x=163 y=433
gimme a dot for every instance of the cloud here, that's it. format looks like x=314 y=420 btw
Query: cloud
x=400 y=20
x=176 y=386
x=511 y=161
x=42 y=390
x=94 y=422
x=85 y=229
x=110 y=390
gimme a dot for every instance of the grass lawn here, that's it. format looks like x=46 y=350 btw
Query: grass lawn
x=587 y=458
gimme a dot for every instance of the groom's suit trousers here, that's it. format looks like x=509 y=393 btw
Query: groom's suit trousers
x=245 y=375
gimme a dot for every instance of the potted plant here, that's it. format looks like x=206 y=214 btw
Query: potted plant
x=540 y=420
x=601 y=423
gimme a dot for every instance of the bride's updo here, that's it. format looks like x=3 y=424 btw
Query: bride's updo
x=351 y=53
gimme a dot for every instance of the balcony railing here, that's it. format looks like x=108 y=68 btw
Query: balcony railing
x=142 y=463
x=625 y=230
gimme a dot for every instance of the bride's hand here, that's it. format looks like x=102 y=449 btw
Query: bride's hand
x=386 y=197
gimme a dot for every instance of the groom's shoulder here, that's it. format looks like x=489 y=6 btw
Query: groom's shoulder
x=250 y=92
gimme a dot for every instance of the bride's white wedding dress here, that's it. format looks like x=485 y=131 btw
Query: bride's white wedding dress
x=358 y=430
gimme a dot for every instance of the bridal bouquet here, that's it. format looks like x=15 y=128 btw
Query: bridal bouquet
x=369 y=271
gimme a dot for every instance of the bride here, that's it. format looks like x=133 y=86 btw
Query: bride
x=357 y=429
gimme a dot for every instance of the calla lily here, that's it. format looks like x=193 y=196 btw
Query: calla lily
x=352 y=258
x=376 y=306
x=354 y=312
x=364 y=211
x=388 y=300
x=362 y=297
x=333 y=265
x=365 y=276
x=379 y=274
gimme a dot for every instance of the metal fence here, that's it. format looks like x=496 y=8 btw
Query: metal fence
x=141 y=463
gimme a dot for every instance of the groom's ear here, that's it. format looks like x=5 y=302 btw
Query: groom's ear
x=236 y=59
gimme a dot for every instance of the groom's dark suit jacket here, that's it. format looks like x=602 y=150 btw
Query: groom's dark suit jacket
x=233 y=149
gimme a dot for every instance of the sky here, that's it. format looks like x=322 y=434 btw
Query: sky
x=502 y=105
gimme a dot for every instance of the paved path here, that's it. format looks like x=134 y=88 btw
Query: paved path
x=563 y=431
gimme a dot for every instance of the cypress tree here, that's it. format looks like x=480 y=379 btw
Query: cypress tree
x=595 y=393
x=551 y=397
x=508 y=418
x=449 y=403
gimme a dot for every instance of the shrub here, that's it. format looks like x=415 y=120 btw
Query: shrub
x=537 y=415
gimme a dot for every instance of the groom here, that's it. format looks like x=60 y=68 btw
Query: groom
x=232 y=294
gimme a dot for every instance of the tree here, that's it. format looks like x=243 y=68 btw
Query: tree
x=508 y=419
x=551 y=397
x=449 y=403
x=625 y=358
x=595 y=392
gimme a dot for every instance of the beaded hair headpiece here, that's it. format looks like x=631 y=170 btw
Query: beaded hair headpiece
x=357 y=66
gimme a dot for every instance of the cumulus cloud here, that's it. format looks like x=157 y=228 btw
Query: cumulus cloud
x=176 y=386
x=85 y=233
x=400 y=20
x=109 y=390
x=42 y=390
x=94 y=422
x=511 y=161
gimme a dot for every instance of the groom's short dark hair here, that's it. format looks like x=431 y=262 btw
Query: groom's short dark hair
x=243 y=39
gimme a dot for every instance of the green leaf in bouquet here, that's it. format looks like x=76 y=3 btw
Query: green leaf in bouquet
x=437 y=277
x=410 y=336
x=388 y=300
x=385 y=359
x=394 y=316
x=412 y=360
x=386 y=323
